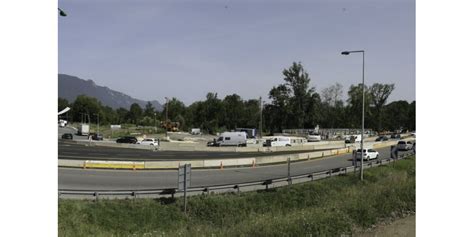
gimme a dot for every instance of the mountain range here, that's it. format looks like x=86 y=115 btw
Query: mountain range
x=69 y=87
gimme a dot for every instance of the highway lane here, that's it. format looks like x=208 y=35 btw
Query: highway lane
x=81 y=152
x=79 y=179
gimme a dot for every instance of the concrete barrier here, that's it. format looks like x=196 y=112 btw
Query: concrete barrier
x=114 y=164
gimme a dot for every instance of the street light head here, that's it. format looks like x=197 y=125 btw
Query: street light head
x=61 y=12
x=345 y=53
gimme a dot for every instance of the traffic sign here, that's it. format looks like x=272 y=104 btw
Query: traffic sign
x=184 y=177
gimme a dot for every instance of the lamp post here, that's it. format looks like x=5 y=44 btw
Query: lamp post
x=155 y=122
x=166 y=118
x=261 y=117
x=363 y=105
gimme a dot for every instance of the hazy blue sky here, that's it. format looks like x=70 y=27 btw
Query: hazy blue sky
x=152 y=49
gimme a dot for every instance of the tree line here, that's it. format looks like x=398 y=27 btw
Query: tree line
x=292 y=104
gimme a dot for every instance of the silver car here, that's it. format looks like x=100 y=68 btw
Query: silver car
x=405 y=145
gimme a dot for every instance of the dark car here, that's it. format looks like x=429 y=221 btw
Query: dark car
x=381 y=138
x=97 y=137
x=212 y=143
x=67 y=136
x=130 y=140
x=395 y=136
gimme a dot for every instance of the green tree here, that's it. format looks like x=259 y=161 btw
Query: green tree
x=332 y=106
x=234 y=111
x=85 y=107
x=295 y=103
x=135 y=114
x=62 y=104
x=122 y=114
x=149 y=110
x=354 y=109
x=397 y=115
x=379 y=94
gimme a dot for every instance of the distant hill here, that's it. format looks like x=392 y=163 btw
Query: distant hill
x=69 y=87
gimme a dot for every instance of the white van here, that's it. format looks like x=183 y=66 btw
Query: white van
x=232 y=139
x=278 y=141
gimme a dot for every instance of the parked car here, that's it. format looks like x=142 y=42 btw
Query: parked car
x=313 y=137
x=67 y=136
x=381 y=138
x=130 y=140
x=369 y=154
x=404 y=145
x=395 y=136
x=97 y=137
x=149 y=141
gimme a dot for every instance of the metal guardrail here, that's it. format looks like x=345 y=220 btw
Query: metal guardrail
x=232 y=187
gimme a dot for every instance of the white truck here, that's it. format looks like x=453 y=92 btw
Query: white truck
x=196 y=131
x=62 y=123
x=232 y=139
x=83 y=130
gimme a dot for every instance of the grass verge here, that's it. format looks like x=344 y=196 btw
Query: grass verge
x=330 y=207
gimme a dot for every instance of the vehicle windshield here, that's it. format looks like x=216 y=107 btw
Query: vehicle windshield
x=401 y=142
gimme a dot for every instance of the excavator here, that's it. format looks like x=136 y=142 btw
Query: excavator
x=170 y=126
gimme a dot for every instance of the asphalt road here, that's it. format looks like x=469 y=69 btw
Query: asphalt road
x=80 y=152
x=79 y=179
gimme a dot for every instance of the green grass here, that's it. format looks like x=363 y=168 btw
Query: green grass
x=329 y=207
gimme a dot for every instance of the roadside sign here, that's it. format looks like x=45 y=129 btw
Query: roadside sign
x=184 y=180
x=393 y=152
x=184 y=177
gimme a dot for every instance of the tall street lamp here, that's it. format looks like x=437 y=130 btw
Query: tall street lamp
x=166 y=118
x=363 y=104
x=261 y=116
x=155 y=122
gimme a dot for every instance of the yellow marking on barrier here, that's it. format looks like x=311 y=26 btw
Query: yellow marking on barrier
x=114 y=166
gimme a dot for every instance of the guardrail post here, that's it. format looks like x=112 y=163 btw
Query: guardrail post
x=266 y=183
x=96 y=194
x=237 y=187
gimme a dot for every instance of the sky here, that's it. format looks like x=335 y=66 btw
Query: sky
x=152 y=49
